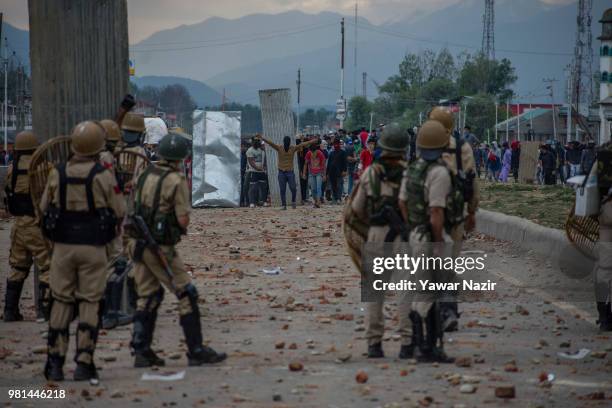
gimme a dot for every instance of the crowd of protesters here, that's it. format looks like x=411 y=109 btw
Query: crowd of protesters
x=329 y=164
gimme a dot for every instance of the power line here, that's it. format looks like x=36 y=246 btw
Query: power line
x=238 y=41
x=458 y=45
x=310 y=26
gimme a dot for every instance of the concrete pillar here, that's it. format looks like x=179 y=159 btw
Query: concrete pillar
x=79 y=58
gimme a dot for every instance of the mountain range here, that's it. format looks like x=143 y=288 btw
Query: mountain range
x=265 y=51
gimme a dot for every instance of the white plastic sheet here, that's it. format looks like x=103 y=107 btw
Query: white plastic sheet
x=216 y=159
x=156 y=129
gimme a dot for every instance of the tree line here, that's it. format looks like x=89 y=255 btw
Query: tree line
x=426 y=77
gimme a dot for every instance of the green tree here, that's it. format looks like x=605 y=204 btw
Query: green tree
x=443 y=66
x=359 y=109
x=175 y=99
x=481 y=115
x=250 y=117
x=482 y=75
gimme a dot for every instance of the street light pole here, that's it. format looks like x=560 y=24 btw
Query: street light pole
x=5 y=114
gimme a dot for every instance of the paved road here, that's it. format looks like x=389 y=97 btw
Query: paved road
x=313 y=307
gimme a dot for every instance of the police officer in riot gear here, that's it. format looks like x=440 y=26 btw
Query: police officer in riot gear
x=162 y=202
x=376 y=204
x=27 y=243
x=431 y=209
x=81 y=204
x=459 y=158
x=117 y=262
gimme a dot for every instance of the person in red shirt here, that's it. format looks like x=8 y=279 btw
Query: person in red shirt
x=314 y=167
x=363 y=136
x=367 y=155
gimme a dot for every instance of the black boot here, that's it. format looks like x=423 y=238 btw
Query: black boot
x=198 y=354
x=44 y=300
x=431 y=351
x=85 y=372
x=55 y=362
x=142 y=337
x=375 y=351
x=605 y=316
x=406 y=351
x=54 y=369
x=11 y=301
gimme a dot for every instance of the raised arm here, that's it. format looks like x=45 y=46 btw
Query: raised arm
x=306 y=144
x=271 y=143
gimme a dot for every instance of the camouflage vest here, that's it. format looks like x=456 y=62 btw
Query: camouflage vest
x=389 y=174
x=164 y=227
x=418 y=214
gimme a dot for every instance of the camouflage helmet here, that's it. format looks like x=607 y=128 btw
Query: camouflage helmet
x=443 y=115
x=88 y=138
x=26 y=141
x=113 y=134
x=133 y=122
x=432 y=139
x=394 y=139
x=173 y=146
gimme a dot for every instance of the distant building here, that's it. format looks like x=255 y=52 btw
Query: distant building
x=605 y=88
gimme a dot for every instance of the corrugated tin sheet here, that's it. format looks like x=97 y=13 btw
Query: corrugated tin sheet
x=277 y=118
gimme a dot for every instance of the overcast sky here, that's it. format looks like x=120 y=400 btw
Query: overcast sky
x=149 y=16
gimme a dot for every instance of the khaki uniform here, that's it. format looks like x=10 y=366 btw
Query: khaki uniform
x=27 y=243
x=437 y=188
x=78 y=272
x=378 y=233
x=114 y=248
x=148 y=273
x=603 y=270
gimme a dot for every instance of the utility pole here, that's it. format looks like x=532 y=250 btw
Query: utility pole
x=342 y=116
x=355 y=62
x=496 y=116
x=223 y=101
x=518 y=121
x=364 y=85
x=551 y=88
x=507 y=119
x=5 y=114
x=299 y=94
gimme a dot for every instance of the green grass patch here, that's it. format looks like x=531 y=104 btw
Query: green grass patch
x=544 y=205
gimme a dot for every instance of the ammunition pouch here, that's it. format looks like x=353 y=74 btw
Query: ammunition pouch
x=79 y=228
x=18 y=204
x=164 y=227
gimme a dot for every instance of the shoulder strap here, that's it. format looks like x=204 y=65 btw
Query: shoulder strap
x=459 y=145
x=88 y=181
x=95 y=170
x=16 y=172
x=160 y=182
x=152 y=169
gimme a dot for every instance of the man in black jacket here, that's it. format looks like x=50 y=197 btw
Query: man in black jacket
x=336 y=170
